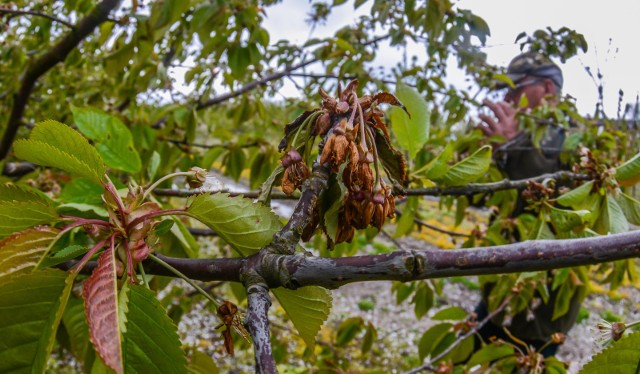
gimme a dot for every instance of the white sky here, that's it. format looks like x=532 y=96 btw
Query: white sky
x=611 y=28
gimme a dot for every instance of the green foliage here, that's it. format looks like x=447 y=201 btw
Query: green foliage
x=20 y=253
x=150 y=343
x=308 y=308
x=412 y=128
x=467 y=170
x=54 y=144
x=111 y=137
x=29 y=319
x=622 y=357
x=244 y=225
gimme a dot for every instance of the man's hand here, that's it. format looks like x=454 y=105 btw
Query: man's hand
x=505 y=123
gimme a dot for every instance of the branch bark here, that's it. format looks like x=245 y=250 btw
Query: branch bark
x=257 y=322
x=47 y=61
x=406 y=265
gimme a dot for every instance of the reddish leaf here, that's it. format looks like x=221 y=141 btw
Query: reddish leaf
x=101 y=308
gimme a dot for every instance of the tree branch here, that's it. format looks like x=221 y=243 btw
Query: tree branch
x=257 y=322
x=47 y=61
x=506 y=184
x=476 y=328
x=38 y=14
x=406 y=265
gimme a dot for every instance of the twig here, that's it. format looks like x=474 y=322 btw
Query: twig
x=37 y=14
x=506 y=184
x=471 y=332
x=434 y=228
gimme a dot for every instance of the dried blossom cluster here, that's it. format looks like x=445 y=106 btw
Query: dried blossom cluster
x=352 y=128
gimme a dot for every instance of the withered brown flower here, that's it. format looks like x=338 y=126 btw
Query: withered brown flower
x=295 y=171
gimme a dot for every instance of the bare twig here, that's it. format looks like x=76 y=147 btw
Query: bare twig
x=420 y=222
x=45 y=62
x=37 y=14
x=506 y=184
x=429 y=365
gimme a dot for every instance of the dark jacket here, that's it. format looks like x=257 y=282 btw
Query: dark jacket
x=519 y=159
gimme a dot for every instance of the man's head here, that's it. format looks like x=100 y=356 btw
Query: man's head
x=535 y=76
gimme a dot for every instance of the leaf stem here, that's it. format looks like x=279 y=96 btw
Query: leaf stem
x=184 y=277
x=168 y=212
x=168 y=176
x=78 y=267
x=144 y=275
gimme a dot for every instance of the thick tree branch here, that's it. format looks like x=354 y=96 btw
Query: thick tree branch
x=286 y=240
x=257 y=322
x=45 y=62
x=37 y=14
x=302 y=270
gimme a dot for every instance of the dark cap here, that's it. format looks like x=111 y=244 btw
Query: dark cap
x=532 y=64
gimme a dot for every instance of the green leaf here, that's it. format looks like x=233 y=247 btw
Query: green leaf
x=54 y=144
x=612 y=219
x=566 y=220
x=541 y=231
x=307 y=307
x=30 y=308
x=348 y=330
x=13 y=192
x=202 y=364
x=404 y=224
x=154 y=164
x=628 y=173
x=621 y=357
x=344 y=45
x=76 y=325
x=244 y=225
x=370 y=336
x=63 y=255
x=423 y=300
x=469 y=169
x=431 y=338
x=181 y=233
x=82 y=191
x=150 y=343
x=576 y=197
x=235 y=164
x=411 y=131
x=438 y=167
x=490 y=353
x=393 y=161
x=20 y=253
x=630 y=207
x=112 y=138
x=267 y=186
x=452 y=313
x=169 y=12
x=19 y=215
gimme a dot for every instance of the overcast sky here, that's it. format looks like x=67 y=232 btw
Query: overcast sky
x=611 y=28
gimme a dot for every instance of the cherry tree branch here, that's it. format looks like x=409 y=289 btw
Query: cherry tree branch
x=473 y=330
x=257 y=322
x=293 y=271
x=45 y=62
x=37 y=14
x=506 y=184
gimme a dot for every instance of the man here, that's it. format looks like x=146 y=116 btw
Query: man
x=537 y=81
